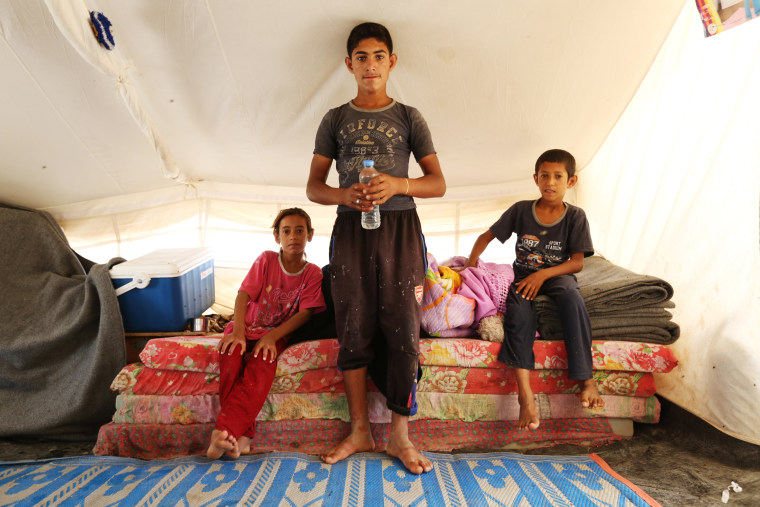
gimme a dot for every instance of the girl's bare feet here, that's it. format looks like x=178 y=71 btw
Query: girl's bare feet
x=221 y=443
x=244 y=445
x=357 y=441
x=590 y=397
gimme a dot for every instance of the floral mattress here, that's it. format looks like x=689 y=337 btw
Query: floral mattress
x=467 y=398
x=196 y=353
x=136 y=378
x=203 y=408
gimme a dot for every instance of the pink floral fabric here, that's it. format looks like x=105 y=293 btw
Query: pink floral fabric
x=138 y=379
x=460 y=407
x=141 y=409
x=194 y=353
x=443 y=309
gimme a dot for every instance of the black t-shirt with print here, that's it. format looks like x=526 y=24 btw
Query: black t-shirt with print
x=541 y=245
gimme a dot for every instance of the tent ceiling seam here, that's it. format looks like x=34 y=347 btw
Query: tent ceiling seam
x=79 y=37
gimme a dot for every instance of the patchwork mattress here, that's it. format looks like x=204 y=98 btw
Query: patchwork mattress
x=168 y=402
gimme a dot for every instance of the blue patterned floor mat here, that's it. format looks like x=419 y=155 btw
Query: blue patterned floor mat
x=290 y=479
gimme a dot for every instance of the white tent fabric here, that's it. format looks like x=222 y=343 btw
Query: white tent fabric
x=675 y=192
x=199 y=126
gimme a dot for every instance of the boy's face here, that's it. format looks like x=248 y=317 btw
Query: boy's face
x=371 y=65
x=552 y=181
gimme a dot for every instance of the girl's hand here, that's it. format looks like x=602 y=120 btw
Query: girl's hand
x=267 y=346
x=228 y=342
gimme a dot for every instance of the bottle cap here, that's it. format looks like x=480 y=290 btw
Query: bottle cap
x=369 y=163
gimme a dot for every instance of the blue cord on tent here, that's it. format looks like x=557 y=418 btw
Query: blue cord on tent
x=101 y=25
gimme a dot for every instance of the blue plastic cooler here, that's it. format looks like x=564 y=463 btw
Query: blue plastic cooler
x=163 y=290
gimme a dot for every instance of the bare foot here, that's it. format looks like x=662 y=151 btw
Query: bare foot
x=244 y=444
x=233 y=453
x=359 y=441
x=221 y=443
x=412 y=459
x=590 y=397
x=528 y=412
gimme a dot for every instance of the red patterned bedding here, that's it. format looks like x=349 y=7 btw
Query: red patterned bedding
x=143 y=409
x=453 y=379
x=318 y=436
x=137 y=379
x=466 y=398
x=193 y=353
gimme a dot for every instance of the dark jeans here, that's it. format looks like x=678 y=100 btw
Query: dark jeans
x=520 y=327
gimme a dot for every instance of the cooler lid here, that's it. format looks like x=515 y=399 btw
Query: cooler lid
x=166 y=262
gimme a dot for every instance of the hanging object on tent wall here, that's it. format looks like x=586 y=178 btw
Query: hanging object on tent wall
x=720 y=16
x=101 y=28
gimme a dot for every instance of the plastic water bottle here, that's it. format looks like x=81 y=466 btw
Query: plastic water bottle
x=370 y=219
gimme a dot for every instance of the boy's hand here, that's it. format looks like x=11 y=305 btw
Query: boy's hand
x=383 y=187
x=267 y=346
x=466 y=265
x=228 y=342
x=529 y=286
x=356 y=198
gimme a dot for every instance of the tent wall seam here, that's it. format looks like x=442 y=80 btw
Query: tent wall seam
x=73 y=23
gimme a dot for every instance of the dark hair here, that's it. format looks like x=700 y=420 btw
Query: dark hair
x=288 y=212
x=558 y=157
x=369 y=31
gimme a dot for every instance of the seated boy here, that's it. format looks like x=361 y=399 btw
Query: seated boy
x=553 y=238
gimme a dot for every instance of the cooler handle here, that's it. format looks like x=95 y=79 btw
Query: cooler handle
x=140 y=281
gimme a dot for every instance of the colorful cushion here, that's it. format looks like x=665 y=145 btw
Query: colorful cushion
x=141 y=409
x=136 y=378
x=193 y=353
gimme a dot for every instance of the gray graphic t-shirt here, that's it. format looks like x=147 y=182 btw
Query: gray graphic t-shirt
x=388 y=136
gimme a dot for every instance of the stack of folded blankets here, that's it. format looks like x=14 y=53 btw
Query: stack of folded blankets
x=621 y=304
x=467 y=398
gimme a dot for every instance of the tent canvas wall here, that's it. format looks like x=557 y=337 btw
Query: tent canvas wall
x=199 y=124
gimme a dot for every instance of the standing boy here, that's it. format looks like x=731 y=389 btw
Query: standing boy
x=553 y=238
x=377 y=275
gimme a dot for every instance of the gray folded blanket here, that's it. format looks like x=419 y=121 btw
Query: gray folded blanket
x=622 y=305
x=61 y=332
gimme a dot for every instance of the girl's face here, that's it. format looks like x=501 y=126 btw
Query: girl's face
x=292 y=235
